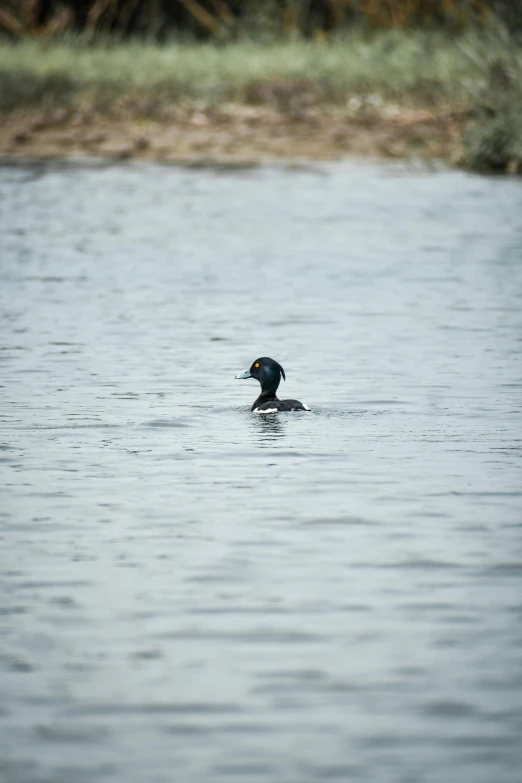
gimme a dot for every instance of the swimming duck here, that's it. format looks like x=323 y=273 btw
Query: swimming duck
x=268 y=373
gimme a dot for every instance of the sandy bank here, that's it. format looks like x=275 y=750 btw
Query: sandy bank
x=240 y=134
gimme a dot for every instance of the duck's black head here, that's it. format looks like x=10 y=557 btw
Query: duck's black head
x=267 y=372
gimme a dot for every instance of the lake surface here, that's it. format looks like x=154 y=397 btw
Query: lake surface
x=192 y=593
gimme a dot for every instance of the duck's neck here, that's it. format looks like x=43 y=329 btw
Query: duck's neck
x=265 y=396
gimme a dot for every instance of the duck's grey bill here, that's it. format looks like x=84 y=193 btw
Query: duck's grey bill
x=243 y=375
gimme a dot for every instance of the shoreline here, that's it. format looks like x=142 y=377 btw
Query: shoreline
x=243 y=135
x=392 y=95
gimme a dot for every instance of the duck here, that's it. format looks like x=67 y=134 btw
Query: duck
x=268 y=372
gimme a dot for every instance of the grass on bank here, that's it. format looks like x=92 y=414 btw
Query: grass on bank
x=478 y=73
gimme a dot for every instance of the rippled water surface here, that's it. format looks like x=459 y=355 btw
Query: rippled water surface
x=191 y=593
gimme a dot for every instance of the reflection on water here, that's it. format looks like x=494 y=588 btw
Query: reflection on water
x=267 y=429
x=192 y=592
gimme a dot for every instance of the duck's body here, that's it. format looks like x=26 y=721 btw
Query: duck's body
x=268 y=373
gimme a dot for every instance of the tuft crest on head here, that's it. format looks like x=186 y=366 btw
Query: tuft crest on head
x=267 y=371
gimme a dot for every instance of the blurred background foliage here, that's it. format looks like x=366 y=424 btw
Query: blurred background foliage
x=459 y=59
x=228 y=19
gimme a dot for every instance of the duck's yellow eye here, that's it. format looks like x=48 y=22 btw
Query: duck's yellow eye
x=256 y=364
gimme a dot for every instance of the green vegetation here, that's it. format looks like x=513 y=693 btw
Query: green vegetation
x=477 y=75
x=492 y=137
x=415 y=67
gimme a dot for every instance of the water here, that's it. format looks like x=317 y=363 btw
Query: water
x=194 y=593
